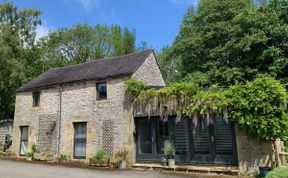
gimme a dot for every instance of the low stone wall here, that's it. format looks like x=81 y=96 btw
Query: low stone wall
x=253 y=152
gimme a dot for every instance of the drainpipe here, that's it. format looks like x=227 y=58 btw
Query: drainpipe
x=60 y=89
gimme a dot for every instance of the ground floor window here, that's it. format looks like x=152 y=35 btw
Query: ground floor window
x=80 y=137
x=23 y=140
x=211 y=142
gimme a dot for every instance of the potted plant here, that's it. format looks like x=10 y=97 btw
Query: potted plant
x=29 y=155
x=170 y=154
x=263 y=171
x=100 y=158
x=63 y=157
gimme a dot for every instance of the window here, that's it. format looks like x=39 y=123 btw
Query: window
x=101 y=91
x=24 y=140
x=80 y=140
x=36 y=98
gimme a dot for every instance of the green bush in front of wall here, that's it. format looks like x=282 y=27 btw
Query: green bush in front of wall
x=259 y=106
x=280 y=172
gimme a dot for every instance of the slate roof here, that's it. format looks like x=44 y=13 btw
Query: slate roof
x=94 y=70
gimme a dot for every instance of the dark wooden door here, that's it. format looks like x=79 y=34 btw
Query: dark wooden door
x=206 y=143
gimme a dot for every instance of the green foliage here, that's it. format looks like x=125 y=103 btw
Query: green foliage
x=229 y=42
x=169 y=150
x=134 y=88
x=63 y=155
x=258 y=106
x=100 y=154
x=34 y=148
x=29 y=154
x=17 y=39
x=279 y=172
x=83 y=43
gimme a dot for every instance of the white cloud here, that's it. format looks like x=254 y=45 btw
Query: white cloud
x=87 y=5
x=43 y=30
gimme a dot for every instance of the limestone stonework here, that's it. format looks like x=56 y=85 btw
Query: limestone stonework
x=154 y=77
x=63 y=105
x=252 y=152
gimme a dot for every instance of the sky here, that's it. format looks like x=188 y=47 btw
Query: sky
x=156 y=22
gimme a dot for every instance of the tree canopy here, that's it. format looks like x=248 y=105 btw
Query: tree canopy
x=17 y=40
x=229 y=41
x=82 y=43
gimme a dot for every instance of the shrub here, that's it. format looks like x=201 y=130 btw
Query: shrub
x=29 y=154
x=101 y=154
x=122 y=154
x=63 y=155
x=280 y=172
x=34 y=148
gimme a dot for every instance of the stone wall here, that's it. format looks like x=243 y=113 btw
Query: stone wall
x=110 y=123
x=150 y=72
x=252 y=152
x=26 y=115
x=79 y=104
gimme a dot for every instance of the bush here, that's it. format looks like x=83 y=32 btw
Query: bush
x=63 y=155
x=34 y=148
x=101 y=154
x=29 y=154
x=280 y=172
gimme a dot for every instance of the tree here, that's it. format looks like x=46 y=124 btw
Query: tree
x=17 y=41
x=231 y=41
x=83 y=43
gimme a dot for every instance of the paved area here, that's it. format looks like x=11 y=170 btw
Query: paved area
x=14 y=169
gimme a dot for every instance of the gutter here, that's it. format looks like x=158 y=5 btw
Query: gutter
x=60 y=89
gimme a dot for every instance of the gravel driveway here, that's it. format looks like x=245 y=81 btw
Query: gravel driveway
x=14 y=169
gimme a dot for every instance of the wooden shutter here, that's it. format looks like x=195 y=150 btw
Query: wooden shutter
x=201 y=137
x=223 y=137
x=181 y=139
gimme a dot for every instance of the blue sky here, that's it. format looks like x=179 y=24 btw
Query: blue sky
x=156 y=21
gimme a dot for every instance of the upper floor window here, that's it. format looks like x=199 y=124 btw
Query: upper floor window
x=101 y=89
x=36 y=98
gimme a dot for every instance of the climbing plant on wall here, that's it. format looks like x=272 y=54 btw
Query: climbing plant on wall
x=258 y=106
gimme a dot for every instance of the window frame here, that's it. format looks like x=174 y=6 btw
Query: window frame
x=34 y=94
x=97 y=91
x=79 y=140
x=23 y=140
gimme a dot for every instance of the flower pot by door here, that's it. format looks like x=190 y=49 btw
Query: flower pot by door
x=264 y=171
x=171 y=163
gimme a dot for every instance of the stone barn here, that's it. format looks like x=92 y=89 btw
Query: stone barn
x=81 y=108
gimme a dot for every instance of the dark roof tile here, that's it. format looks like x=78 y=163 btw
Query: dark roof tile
x=93 y=70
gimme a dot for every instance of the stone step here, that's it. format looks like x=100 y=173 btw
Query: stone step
x=228 y=170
